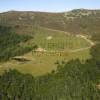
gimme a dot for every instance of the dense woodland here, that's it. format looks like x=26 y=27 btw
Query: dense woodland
x=10 y=43
x=71 y=81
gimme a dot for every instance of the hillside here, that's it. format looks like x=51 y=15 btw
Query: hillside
x=11 y=43
x=67 y=34
x=52 y=46
x=50 y=56
x=76 y=21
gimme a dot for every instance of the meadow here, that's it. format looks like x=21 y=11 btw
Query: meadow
x=48 y=40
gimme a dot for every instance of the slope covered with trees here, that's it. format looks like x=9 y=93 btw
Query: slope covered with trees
x=71 y=81
x=10 y=43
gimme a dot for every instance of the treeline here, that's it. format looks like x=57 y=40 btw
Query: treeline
x=71 y=81
x=9 y=43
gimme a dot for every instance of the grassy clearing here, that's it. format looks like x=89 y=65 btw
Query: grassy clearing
x=44 y=63
x=59 y=40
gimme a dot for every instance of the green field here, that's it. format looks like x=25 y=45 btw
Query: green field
x=50 y=40
x=59 y=40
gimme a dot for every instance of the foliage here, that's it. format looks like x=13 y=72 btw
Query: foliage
x=9 y=43
x=71 y=81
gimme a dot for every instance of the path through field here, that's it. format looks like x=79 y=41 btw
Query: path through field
x=81 y=49
x=55 y=30
x=84 y=37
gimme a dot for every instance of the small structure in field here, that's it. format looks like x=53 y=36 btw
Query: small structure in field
x=49 y=37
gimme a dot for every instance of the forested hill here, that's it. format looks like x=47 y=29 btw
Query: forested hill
x=75 y=21
x=71 y=81
x=10 y=43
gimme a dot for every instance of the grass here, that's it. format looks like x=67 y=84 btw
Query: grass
x=44 y=63
x=60 y=40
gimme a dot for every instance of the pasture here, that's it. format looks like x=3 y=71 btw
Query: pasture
x=59 y=40
x=50 y=40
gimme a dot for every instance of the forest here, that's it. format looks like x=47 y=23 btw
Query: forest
x=71 y=81
x=9 y=43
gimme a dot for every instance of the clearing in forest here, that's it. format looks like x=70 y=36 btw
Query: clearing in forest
x=50 y=40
